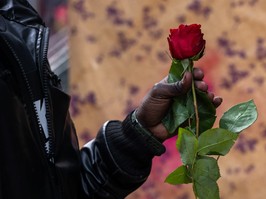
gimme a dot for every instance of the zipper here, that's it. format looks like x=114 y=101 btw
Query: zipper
x=31 y=110
x=47 y=75
x=30 y=107
x=43 y=69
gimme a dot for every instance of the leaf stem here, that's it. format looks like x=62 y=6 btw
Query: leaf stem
x=218 y=158
x=195 y=101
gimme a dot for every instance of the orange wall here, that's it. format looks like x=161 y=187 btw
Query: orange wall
x=119 y=50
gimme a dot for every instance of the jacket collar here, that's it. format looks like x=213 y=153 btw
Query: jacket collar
x=20 y=11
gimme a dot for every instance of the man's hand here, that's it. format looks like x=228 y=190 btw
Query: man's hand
x=157 y=102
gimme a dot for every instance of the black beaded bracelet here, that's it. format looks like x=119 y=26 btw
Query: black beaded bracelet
x=156 y=145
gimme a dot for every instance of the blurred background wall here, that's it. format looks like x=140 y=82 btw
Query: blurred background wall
x=117 y=50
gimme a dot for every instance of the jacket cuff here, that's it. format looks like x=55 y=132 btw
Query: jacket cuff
x=151 y=141
x=132 y=150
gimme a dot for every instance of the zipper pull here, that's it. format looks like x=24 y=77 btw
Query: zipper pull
x=51 y=159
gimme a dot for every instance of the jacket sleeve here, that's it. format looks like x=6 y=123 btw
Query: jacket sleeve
x=117 y=161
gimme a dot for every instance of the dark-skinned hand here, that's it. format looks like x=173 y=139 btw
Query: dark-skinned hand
x=158 y=100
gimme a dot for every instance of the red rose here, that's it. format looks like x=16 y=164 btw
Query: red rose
x=186 y=41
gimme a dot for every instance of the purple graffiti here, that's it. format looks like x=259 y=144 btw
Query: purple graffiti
x=245 y=145
x=199 y=9
x=79 y=7
x=228 y=47
x=116 y=16
x=234 y=75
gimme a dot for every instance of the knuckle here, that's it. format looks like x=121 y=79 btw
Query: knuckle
x=156 y=88
x=178 y=87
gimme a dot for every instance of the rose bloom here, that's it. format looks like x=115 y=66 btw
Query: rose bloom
x=186 y=41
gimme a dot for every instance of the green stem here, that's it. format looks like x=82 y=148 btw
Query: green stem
x=196 y=112
x=195 y=101
x=218 y=158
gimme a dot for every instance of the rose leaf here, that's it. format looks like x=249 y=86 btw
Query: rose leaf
x=176 y=71
x=239 y=117
x=177 y=115
x=205 y=174
x=187 y=145
x=185 y=63
x=216 y=141
x=206 y=110
x=179 y=176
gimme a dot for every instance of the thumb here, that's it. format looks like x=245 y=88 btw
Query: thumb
x=167 y=90
x=157 y=102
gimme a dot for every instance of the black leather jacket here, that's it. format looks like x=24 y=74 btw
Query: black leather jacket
x=111 y=166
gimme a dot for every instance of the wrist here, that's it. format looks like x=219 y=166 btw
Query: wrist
x=158 y=131
x=153 y=141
